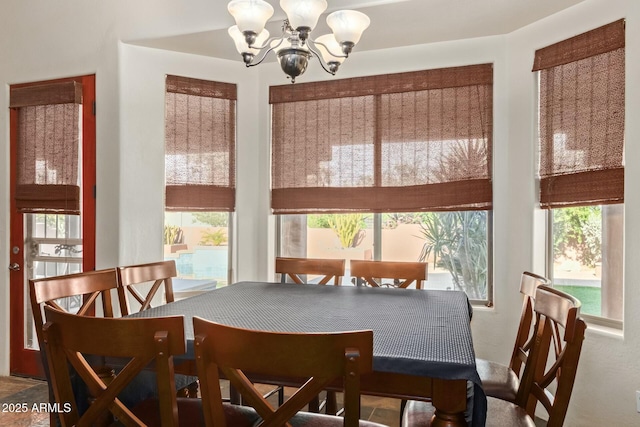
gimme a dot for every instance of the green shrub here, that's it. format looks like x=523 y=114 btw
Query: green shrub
x=347 y=227
x=214 y=219
x=576 y=233
x=213 y=238
x=318 y=221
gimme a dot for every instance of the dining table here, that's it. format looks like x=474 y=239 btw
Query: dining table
x=422 y=341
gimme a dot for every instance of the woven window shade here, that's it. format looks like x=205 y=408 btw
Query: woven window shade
x=48 y=138
x=582 y=119
x=408 y=142
x=200 y=145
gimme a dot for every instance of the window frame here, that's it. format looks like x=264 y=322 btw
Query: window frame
x=549 y=256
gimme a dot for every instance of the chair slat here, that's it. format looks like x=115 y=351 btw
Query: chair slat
x=404 y=274
x=329 y=269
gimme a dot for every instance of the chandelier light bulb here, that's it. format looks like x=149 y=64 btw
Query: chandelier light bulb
x=250 y=15
x=303 y=13
x=348 y=25
x=241 y=43
x=332 y=47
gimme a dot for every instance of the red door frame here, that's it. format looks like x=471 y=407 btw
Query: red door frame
x=25 y=361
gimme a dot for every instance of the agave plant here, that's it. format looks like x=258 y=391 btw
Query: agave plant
x=458 y=242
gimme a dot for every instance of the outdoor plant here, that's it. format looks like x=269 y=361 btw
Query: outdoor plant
x=347 y=227
x=214 y=219
x=392 y=220
x=576 y=233
x=319 y=220
x=458 y=242
x=213 y=238
x=172 y=234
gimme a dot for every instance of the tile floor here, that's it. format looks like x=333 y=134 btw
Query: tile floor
x=15 y=390
x=19 y=394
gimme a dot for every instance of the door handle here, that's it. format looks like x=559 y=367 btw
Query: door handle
x=14 y=266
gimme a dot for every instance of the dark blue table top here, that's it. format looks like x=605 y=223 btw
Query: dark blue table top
x=417 y=332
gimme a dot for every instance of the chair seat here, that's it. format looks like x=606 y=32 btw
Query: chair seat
x=189 y=412
x=246 y=416
x=498 y=380
x=500 y=413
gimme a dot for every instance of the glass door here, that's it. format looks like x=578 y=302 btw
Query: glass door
x=45 y=239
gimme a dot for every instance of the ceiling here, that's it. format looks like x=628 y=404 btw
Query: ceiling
x=393 y=23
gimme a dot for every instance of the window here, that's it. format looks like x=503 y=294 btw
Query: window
x=365 y=167
x=200 y=181
x=581 y=132
x=587 y=254
x=433 y=237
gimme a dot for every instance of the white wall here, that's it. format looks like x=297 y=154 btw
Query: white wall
x=130 y=86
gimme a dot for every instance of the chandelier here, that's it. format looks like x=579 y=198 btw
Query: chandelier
x=294 y=47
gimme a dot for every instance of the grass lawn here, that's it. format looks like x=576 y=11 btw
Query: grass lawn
x=589 y=296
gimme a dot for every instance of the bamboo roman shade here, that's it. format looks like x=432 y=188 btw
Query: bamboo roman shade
x=582 y=113
x=409 y=142
x=48 y=140
x=200 y=135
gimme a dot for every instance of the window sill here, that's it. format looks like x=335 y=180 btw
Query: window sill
x=604 y=327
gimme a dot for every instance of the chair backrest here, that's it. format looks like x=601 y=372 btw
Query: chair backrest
x=327 y=268
x=529 y=283
x=317 y=359
x=558 y=327
x=403 y=274
x=68 y=338
x=88 y=285
x=154 y=275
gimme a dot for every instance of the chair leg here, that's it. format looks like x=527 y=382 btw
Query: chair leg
x=192 y=389
x=403 y=403
x=331 y=406
x=234 y=395
x=314 y=404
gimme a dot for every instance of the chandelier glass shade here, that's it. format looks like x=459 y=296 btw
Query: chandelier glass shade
x=294 y=47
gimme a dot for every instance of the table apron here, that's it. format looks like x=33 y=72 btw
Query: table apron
x=447 y=395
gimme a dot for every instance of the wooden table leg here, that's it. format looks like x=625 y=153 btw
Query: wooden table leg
x=450 y=402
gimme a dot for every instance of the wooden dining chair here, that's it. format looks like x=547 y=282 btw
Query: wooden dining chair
x=548 y=376
x=134 y=278
x=88 y=287
x=401 y=274
x=316 y=360
x=502 y=381
x=72 y=340
x=329 y=269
